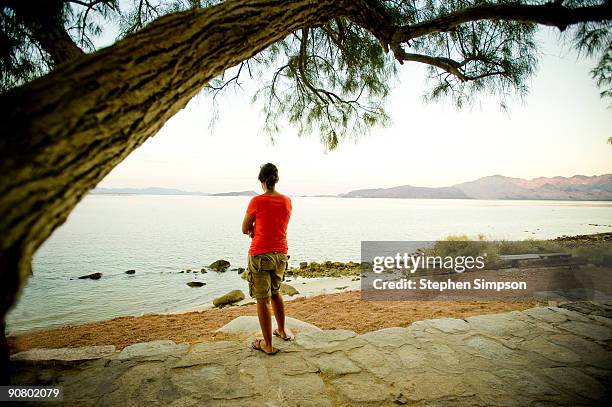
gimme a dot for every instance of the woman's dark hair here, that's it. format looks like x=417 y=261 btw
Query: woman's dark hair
x=268 y=174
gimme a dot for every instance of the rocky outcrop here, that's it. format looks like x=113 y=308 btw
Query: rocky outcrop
x=286 y=289
x=549 y=355
x=597 y=237
x=63 y=356
x=220 y=265
x=130 y=272
x=229 y=298
x=250 y=325
x=326 y=269
x=195 y=284
x=92 y=276
x=154 y=350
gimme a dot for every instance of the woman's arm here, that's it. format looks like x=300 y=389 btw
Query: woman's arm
x=248 y=225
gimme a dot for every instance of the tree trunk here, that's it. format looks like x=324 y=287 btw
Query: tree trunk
x=45 y=22
x=62 y=133
x=55 y=40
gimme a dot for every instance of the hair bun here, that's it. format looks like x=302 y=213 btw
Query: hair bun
x=268 y=174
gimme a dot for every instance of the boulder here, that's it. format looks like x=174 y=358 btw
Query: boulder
x=203 y=271
x=182 y=271
x=188 y=270
x=286 y=289
x=250 y=324
x=130 y=272
x=303 y=264
x=195 y=284
x=92 y=276
x=240 y=270
x=220 y=265
x=229 y=298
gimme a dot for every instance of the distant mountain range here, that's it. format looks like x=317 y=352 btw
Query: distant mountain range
x=238 y=193
x=578 y=187
x=163 y=191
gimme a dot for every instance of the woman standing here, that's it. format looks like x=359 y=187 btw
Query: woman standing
x=266 y=221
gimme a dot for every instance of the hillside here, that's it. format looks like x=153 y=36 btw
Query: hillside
x=578 y=187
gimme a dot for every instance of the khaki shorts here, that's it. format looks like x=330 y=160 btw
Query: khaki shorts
x=265 y=273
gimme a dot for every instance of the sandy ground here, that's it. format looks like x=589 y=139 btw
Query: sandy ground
x=343 y=310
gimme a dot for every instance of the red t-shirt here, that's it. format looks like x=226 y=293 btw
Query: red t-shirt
x=271 y=214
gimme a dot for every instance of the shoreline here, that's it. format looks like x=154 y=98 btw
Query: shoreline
x=307 y=286
x=310 y=287
x=336 y=287
x=201 y=325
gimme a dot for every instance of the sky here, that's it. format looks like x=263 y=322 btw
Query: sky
x=560 y=128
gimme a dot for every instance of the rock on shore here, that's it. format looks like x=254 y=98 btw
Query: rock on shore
x=92 y=276
x=220 y=265
x=286 y=289
x=597 y=237
x=326 y=269
x=229 y=298
x=195 y=284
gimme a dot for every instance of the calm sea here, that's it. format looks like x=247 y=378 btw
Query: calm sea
x=160 y=235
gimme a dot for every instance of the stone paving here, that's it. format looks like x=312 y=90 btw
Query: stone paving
x=542 y=356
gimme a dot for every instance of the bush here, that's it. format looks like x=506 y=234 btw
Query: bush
x=594 y=251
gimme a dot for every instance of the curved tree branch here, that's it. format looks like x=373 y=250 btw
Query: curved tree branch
x=62 y=133
x=550 y=14
x=45 y=22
